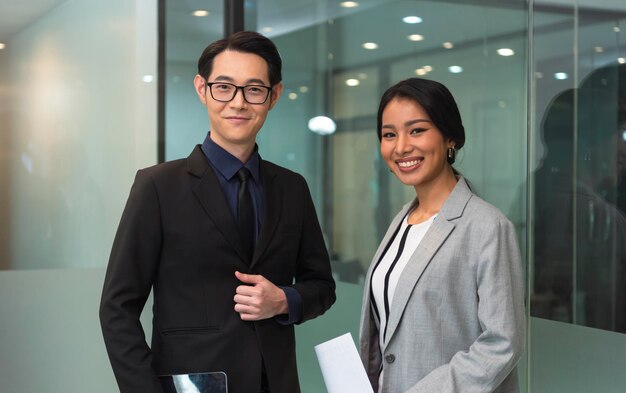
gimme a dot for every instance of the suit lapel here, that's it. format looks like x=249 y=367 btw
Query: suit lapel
x=272 y=210
x=210 y=195
x=368 y=331
x=437 y=234
x=395 y=223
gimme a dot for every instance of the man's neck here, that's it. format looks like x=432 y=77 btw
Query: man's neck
x=242 y=151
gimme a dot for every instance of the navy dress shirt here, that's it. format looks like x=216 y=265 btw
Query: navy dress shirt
x=226 y=166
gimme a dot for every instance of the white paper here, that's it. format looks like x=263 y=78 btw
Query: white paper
x=341 y=366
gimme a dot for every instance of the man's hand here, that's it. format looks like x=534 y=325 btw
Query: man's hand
x=259 y=298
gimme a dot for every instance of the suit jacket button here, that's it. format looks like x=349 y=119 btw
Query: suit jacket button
x=390 y=358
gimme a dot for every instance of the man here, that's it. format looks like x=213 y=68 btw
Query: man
x=229 y=243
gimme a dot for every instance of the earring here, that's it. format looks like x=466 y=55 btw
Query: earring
x=451 y=155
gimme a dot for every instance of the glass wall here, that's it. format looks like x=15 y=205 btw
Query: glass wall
x=77 y=118
x=190 y=26
x=577 y=172
x=337 y=63
x=77 y=110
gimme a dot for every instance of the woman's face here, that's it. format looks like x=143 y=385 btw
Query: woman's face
x=411 y=145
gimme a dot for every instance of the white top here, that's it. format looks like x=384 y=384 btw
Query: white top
x=388 y=270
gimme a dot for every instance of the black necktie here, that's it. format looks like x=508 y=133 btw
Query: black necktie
x=245 y=212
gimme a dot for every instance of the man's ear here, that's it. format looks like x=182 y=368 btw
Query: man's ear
x=199 y=83
x=277 y=90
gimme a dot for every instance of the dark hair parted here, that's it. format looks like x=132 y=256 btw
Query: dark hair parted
x=246 y=42
x=436 y=100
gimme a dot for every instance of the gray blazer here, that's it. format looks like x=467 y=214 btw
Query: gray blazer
x=457 y=320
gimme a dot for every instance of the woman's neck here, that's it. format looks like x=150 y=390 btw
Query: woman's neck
x=431 y=197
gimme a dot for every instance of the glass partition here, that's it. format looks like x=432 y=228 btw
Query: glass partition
x=578 y=259
x=578 y=171
x=78 y=111
x=78 y=100
x=189 y=27
x=337 y=63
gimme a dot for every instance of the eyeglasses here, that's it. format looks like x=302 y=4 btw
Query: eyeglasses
x=225 y=92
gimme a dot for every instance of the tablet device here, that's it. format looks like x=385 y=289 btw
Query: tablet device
x=210 y=382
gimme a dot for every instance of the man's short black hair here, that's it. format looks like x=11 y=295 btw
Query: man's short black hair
x=246 y=42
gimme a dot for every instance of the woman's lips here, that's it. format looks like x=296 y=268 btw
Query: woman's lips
x=407 y=165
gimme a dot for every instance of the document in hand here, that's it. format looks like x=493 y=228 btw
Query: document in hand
x=214 y=382
x=341 y=366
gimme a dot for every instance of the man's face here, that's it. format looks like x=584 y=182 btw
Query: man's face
x=234 y=124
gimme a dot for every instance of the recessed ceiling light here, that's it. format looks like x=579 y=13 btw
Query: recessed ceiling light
x=616 y=29
x=448 y=45
x=621 y=60
x=353 y=82
x=293 y=96
x=560 y=76
x=370 y=45
x=303 y=89
x=598 y=49
x=148 y=78
x=267 y=29
x=200 y=13
x=428 y=68
x=412 y=19
x=421 y=72
x=349 y=4
x=455 y=69
x=416 y=37
x=506 y=52
x=2 y=45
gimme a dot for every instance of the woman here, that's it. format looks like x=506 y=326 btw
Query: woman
x=443 y=307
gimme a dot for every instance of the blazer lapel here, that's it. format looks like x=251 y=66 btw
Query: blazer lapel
x=272 y=211
x=368 y=332
x=211 y=197
x=437 y=234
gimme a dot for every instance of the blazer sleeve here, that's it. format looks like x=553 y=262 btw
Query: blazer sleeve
x=128 y=281
x=495 y=353
x=313 y=280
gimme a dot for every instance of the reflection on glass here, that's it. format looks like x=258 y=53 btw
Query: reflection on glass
x=580 y=222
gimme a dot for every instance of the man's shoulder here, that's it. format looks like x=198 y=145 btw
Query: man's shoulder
x=281 y=172
x=165 y=169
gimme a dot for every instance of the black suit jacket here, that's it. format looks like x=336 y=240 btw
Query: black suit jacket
x=177 y=236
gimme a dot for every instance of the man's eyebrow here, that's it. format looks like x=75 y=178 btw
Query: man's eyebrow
x=251 y=81
x=224 y=78
x=255 y=81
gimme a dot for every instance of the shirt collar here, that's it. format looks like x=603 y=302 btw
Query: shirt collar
x=227 y=164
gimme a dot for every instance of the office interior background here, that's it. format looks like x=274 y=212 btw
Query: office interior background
x=91 y=91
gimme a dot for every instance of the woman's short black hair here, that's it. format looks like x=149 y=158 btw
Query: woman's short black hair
x=246 y=42
x=436 y=100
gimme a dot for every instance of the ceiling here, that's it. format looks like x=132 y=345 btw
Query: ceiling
x=187 y=35
x=16 y=15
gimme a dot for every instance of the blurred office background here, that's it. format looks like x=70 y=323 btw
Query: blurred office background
x=91 y=91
